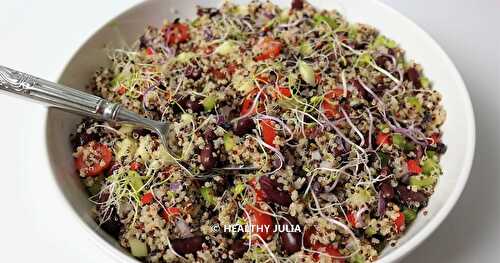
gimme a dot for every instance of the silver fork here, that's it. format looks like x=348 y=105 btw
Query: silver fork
x=73 y=100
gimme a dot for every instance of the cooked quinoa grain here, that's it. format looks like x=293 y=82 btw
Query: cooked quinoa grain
x=281 y=119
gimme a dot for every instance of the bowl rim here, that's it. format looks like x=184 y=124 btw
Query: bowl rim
x=399 y=252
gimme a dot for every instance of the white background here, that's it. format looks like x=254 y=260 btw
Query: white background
x=40 y=36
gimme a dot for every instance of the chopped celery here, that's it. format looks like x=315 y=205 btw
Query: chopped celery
x=227 y=47
x=305 y=49
x=422 y=182
x=185 y=57
x=135 y=180
x=429 y=166
x=409 y=214
x=306 y=72
x=229 y=142
x=208 y=195
x=383 y=41
x=415 y=103
x=138 y=248
x=325 y=19
x=209 y=103
x=239 y=188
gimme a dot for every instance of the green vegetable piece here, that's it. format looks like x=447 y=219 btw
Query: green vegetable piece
x=284 y=16
x=306 y=49
x=185 y=57
x=238 y=189
x=315 y=100
x=95 y=188
x=422 y=182
x=384 y=159
x=384 y=127
x=370 y=231
x=383 y=41
x=208 y=195
x=353 y=32
x=399 y=140
x=430 y=154
x=325 y=19
x=357 y=259
x=209 y=103
x=307 y=73
x=425 y=82
x=415 y=103
x=226 y=48
x=364 y=59
x=410 y=215
x=138 y=248
x=135 y=181
x=429 y=166
x=229 y=143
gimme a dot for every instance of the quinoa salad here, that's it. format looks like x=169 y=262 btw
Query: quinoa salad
x=295 y=136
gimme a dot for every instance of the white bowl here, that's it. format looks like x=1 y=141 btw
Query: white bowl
x=459 y=129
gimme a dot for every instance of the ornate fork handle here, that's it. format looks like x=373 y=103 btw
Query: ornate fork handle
x=59 y=96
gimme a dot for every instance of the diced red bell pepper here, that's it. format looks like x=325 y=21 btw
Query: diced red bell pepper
x=121 y=90
x=351 y=218
x=135 y=166
x=331 y=109
x=268 y=48
x=147 y=198
x=248 y=102
x=399 y=222
x=383 y=138
x=150 y=51
x=268 y=131
x=413 y=167
x=329 y=250
x=285 y=91
x=260 y=195
x=171 y=211
x=260 y=222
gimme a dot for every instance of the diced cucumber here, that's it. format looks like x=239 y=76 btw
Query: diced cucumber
x=415 y=103
x=409 y=214
x=135 y=181
x=370 y=231
x=429 y=166
x=138 y=248
x=325 y=19
x=305 y=49
x=239 y=188
x=307 y=73
x=226 y=48
x=208 y=195
x=209 y=102
x=383 y=41
x=422 y=182
x=229 y=142
x=399 y=140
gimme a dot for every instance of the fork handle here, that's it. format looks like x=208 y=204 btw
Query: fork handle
x=62 y=97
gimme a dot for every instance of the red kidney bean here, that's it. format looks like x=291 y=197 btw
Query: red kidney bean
x=206 y=156
x=298 y=4
x=272 y=193
x=291 y=242
x=243 y=126
x=209 y=135
x=192 y=72
x=408 y=197
x=239 y=248
x=386 y=190
x=188 y=245
x=193 y=105
x=413 y=75
x=112 y=225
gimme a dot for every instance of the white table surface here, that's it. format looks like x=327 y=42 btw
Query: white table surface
x=40 y=36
